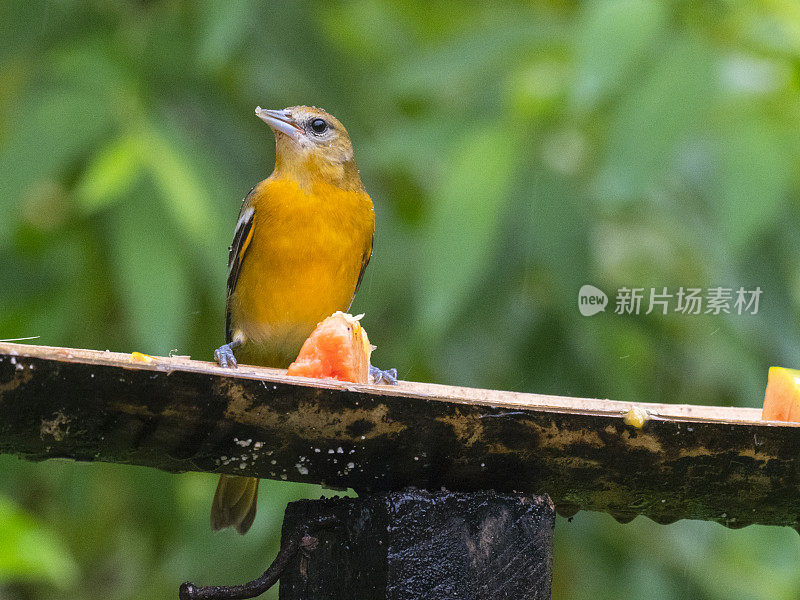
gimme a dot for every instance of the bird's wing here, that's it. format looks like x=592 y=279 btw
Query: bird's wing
x=364 y=263
x=241 y=240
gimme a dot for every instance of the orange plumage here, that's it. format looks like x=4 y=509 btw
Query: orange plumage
x=302 y=242
x=302 y=265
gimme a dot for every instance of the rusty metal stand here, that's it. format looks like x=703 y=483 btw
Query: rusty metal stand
x=417 y=545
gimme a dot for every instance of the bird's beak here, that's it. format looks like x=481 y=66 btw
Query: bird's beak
x=279 y=120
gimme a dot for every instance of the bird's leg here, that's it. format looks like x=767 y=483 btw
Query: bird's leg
x=224 y=354
x=389 y=376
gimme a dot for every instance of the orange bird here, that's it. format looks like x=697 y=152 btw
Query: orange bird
x=300 y=248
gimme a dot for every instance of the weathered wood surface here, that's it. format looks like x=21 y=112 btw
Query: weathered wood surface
x=417 y=545
x=720 y=464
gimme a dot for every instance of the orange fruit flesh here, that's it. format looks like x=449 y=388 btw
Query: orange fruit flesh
x=782 y=398
x=337 y=349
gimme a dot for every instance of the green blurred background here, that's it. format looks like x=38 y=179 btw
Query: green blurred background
x=514 y=152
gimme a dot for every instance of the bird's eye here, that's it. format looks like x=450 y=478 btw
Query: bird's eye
x=319 y=125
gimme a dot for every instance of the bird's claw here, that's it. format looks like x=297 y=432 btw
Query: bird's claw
x=224 y=356
x=389 y=376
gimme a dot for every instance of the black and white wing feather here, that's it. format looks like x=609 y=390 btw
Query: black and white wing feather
x=236 y=255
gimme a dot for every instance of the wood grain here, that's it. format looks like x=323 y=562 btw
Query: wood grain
x=417 y=545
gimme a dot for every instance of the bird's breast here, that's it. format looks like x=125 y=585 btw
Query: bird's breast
x=302 y=263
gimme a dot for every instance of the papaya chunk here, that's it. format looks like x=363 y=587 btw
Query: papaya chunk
x=782 y=398
x=337 y=349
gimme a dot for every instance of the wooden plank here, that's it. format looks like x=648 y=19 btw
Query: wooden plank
x=714 y=463
x=408 y=389
x=416 y=545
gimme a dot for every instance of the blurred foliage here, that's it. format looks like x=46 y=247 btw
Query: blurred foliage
x=514 y=153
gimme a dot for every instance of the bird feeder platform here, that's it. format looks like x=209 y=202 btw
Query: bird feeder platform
x=664 y=461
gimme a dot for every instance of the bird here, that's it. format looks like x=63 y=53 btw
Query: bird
x=301 y=244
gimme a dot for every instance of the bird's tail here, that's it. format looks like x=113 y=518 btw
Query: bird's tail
x=234 y=503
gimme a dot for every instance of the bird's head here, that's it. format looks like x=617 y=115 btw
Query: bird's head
x=310 y=142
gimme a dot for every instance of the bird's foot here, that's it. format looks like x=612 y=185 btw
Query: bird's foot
x=389 y=376
x=224 y=356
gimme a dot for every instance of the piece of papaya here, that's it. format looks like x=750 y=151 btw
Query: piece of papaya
x=782 y=398
x=337 y=349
